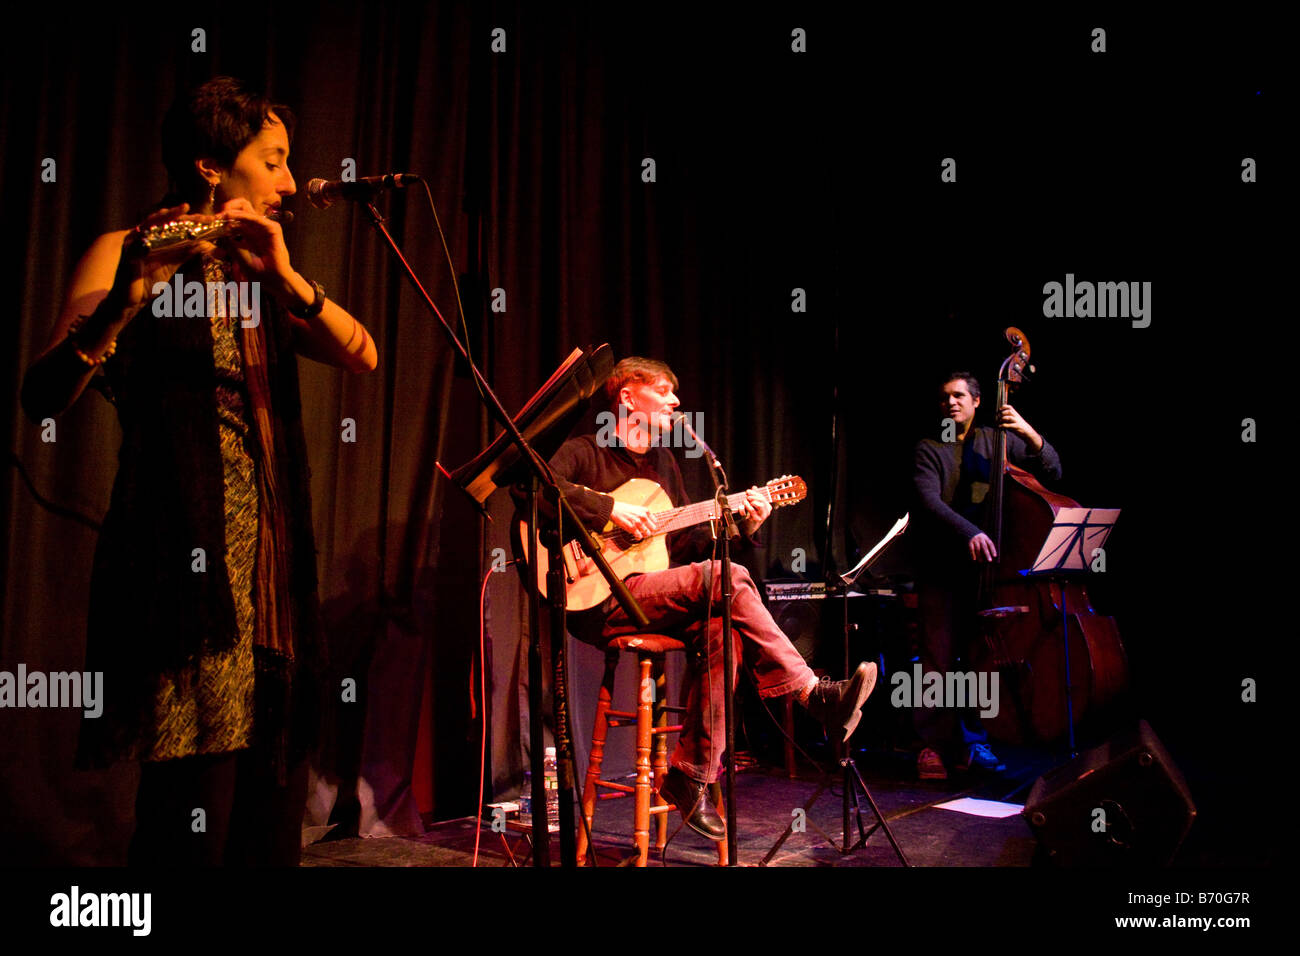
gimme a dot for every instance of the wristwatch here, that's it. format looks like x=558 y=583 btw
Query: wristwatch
x=318 y=303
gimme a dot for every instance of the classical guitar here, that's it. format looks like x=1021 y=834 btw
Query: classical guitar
x=586 y=587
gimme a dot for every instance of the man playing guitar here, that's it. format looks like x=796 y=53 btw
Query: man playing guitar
x=642 y=395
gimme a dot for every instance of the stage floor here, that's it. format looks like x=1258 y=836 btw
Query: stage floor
x=767 y=802
x=1224 y=834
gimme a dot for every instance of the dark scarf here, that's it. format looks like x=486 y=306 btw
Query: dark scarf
x=274 y=629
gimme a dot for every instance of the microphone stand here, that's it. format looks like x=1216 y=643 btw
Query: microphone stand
x=542 y=476
x=726 y=524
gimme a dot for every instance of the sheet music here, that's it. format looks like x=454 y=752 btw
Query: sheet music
x=899 y=527
x=542 y=392
x=544 y=421
x=1075 y=535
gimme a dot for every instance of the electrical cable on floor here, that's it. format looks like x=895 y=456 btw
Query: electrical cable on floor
x=663 y=857
x=482 y=767
x=482 y=670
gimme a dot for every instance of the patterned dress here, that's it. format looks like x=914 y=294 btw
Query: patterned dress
x=208 y=706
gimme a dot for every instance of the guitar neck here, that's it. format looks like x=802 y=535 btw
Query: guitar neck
x=699 y=512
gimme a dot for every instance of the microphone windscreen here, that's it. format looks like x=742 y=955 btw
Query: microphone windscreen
x=316 y=194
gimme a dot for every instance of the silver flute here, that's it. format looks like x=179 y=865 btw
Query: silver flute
x=187 y=230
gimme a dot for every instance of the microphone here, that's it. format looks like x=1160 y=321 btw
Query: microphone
x=715 y=467
x=685 y=421
x=323 y=193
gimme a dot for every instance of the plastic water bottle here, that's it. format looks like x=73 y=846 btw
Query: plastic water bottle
x=552 y=778
x=526 y=800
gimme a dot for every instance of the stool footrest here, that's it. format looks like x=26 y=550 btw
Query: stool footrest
x=630 y=721
x=621 y=787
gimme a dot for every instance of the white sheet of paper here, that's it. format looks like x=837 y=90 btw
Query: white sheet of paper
x=848 y=577
x=1081 y=554
x=982 y=808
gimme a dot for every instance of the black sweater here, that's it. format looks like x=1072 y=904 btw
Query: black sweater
x=950 y=480
x=586 y=470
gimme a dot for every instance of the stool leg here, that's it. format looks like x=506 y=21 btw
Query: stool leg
x=715 y=794
x=660 y=760
x=641 y=822
x=594 y=760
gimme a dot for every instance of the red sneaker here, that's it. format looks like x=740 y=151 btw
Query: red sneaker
x=929 y=766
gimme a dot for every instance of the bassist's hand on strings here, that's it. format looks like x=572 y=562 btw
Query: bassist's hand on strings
x=981 y=548
x=636 y=520
x=1013 y=421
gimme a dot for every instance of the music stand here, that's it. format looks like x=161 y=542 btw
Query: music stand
x=1075 y=535
x=541 y=477
x=542 y=424
x=852 y=781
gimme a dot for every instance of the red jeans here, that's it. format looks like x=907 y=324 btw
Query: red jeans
x=676 y=602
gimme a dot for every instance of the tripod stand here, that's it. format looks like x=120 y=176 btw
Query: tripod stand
x=851 y=783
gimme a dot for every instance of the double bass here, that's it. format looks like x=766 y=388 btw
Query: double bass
x=1021 y=621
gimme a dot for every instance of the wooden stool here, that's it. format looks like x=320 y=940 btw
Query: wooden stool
x=652 y=730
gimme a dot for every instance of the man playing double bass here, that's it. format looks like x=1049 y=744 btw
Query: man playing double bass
x=951 y=479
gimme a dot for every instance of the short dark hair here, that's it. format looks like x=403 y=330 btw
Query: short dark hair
x=635 y=369
x=217 y=119
x=972 y=383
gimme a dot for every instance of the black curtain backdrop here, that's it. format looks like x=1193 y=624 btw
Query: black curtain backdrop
x=774 y=172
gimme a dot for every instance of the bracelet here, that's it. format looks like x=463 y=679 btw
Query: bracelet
x=317 y=303
x=91 y=362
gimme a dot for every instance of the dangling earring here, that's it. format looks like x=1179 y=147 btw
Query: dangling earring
x=212 y=195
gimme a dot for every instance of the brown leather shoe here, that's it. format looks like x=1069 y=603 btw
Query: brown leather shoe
x=838 y=704
x=691 y=797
